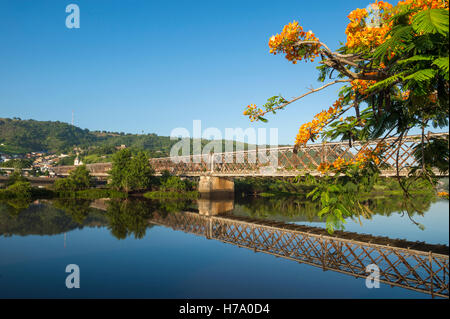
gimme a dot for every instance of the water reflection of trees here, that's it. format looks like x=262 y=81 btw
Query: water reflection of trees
x=77 y=209
x=40 y=219
x=124 y=218
x=297 y=209
x=128 y=217
x=131 y=216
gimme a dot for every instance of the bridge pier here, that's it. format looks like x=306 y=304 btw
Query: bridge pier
x=217 y=187
x=208 y=207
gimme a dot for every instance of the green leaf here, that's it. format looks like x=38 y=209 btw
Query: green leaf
x=416 y=58
x=386 y=82
x=422 y=75
x=431 y=21
x=324 y=198
x=311 y=192
x=442 y=63
x=344 y=210
x=323 y=211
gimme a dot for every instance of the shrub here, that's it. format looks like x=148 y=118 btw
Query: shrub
x=78 y=179
x=20 y=189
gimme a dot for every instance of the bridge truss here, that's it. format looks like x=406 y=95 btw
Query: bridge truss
x=283 y=161
x=401 y=265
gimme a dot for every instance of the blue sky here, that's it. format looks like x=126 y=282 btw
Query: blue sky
x=151 y=66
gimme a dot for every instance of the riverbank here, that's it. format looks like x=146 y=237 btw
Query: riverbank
x=171 y=195
x=300 y=189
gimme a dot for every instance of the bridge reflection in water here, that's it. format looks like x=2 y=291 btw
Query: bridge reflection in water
x=411 y=265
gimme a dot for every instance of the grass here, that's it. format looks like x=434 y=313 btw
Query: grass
x=171 y=195
x=93 y=193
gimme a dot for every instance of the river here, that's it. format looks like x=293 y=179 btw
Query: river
x=163 y=249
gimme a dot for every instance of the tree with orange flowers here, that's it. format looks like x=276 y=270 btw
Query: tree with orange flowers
x=395 y=70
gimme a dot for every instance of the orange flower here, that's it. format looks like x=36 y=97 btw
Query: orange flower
x=361 y=86
x=286 y=41
x=443 y=194
x=362 y=34
x=405 y=95
x=323 y=167
x=311 y=129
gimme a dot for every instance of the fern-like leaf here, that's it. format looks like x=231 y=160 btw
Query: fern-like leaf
x=431 y=21
x=442 y=63
x=422 y=75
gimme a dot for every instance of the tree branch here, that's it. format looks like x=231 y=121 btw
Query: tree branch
x=305 y=94
x=339 y=61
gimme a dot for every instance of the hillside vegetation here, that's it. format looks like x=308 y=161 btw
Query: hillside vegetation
x=21 y=136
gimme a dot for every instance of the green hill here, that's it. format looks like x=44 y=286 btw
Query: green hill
x=21 y=136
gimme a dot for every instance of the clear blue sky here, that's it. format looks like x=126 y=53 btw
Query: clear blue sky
x=151 y=66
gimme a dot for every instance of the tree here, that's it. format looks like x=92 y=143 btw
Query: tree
x=130 y=173
x=394 y=68
x=78 y=179
x=15 y=177
x=395 y=62
x=120 y=162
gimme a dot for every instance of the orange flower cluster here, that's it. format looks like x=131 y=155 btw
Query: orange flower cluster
x=405 y=95
x=311 y=129
x=367 y=34
x=285 y=41
x=364 y=156
x=253 y=112
x=443 y=194
x=337 y=165
x=359 y=31
x=433 y=97
x=361 y=86
x=360 y=160
x=323 y=167
x=425 y=4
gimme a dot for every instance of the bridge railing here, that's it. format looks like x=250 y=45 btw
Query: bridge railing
x=278 y=161
x=285 y=162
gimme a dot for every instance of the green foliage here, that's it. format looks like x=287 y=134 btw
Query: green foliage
x=92 y=193
x=287 y=186
x=21 y=189
x=17 y=163
x=173 y=184
x=21 y=218
x=297 y=209
x=130 y=173
x=435 y=153
x=78 y=179
x=21 y=136
x=77 y=209
x=14 y=178
x=171 y=195
x=431 y=21
x=66 y=161
x=128 y=217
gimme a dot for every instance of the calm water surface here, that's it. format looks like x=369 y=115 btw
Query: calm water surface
x=121 y=254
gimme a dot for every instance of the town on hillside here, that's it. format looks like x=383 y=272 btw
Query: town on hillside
x=42 y=163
